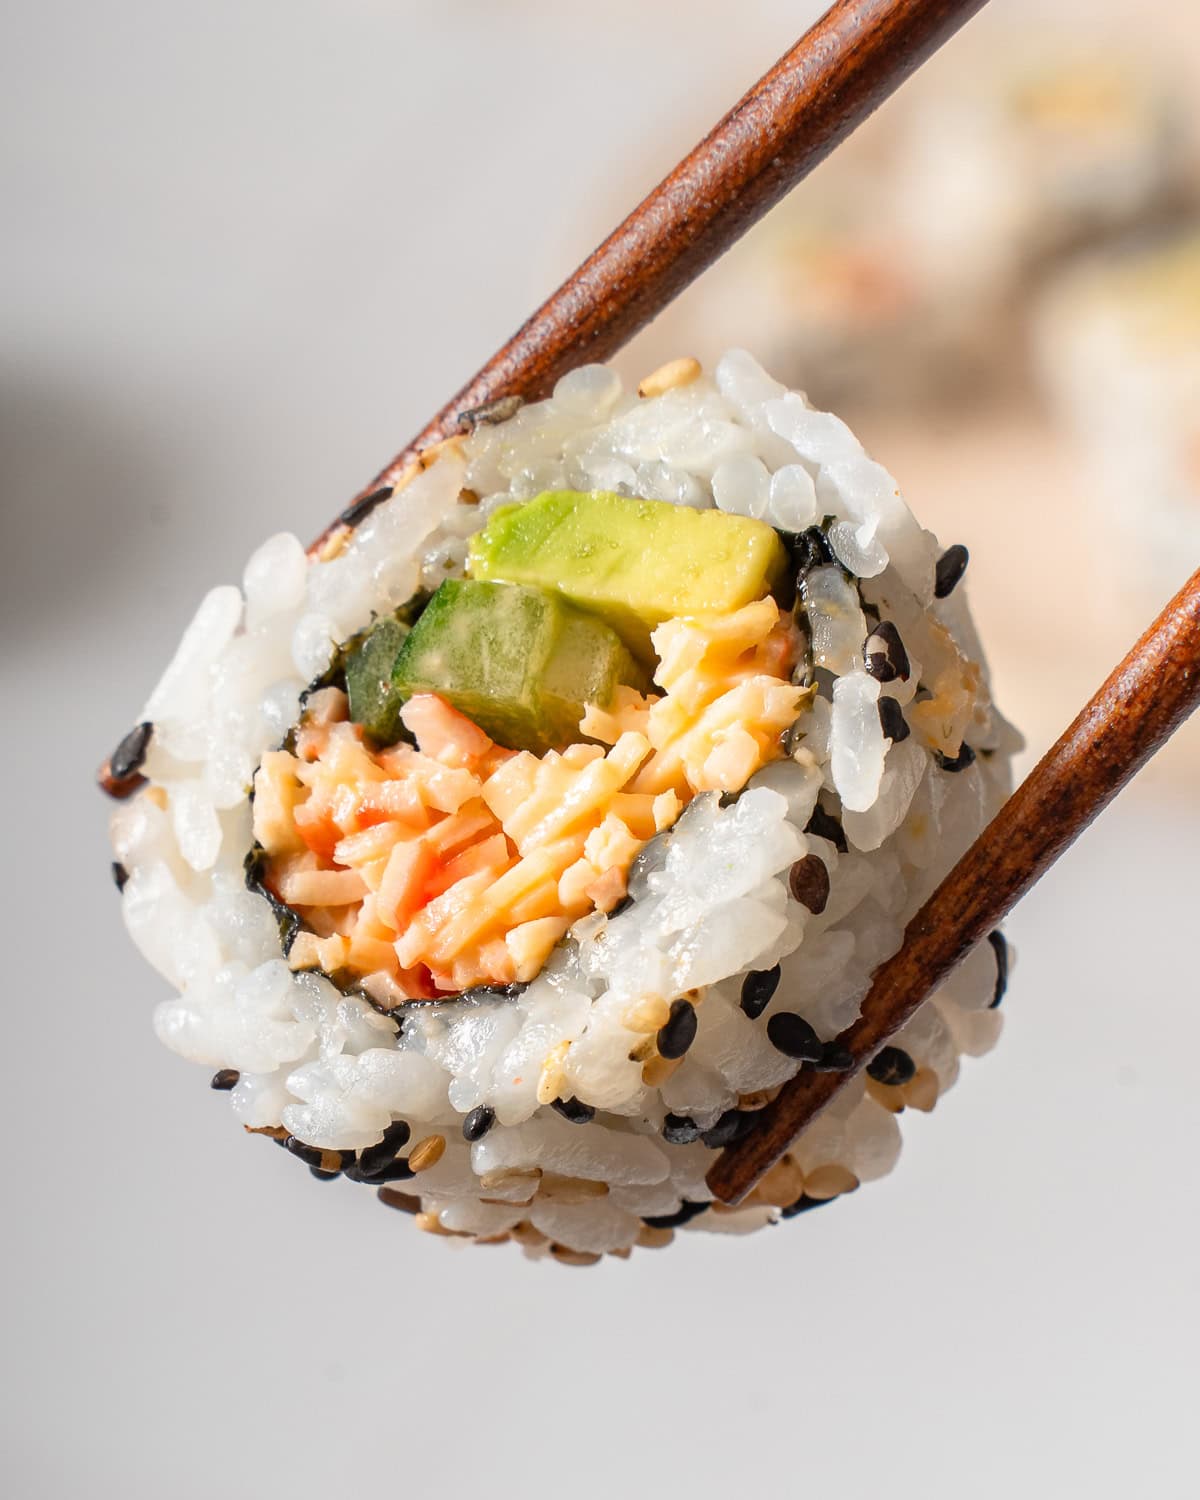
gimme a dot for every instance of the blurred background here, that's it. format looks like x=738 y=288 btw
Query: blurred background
x=247 y=249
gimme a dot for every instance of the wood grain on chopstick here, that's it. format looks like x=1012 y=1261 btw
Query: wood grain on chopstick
x=1142 y=703
x=841 y=70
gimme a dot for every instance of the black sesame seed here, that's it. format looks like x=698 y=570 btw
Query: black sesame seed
x=730 y=1127
x=824 y=825
x=835 y=1058
x=399 y=1171
x=950 y=568
x=1000 y=948
x=225 y=1078
x=358 y=510
x=892 y=721
x=681 y=1215
x=573 y=1110
x=127 y=758
x=478 y=1122
x=374 y=1159
x=803 y=1204
x=309 y=1155
x=680 y=1130
x=793 y=1036
x=959 y=762
x=884 y=655
x=808 y=881
x=891 y=1065
x=322 y=1175
x=758 y=989
x=120 y=875
x=679 y=1031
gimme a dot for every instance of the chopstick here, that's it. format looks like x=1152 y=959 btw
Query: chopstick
x=838 y=73
x=1132 y=715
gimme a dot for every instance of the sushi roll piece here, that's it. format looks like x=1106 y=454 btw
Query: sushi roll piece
x=1118 y=341
x=508 y=853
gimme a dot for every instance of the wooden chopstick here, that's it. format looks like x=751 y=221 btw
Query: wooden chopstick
x=838 y=73
x=1140 y=706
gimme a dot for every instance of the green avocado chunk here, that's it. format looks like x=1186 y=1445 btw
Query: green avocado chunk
x=634 y=562
x=520 y=662
x=374 y=703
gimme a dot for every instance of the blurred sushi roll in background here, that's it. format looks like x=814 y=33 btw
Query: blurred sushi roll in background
x=509 y=852
x=1118 y=340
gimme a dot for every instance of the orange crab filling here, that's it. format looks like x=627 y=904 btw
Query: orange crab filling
x=430 y=869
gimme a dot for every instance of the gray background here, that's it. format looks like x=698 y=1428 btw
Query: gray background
x=246 y=248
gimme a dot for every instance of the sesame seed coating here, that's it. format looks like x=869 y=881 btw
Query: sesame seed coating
x=793 y=1036
x=478 y=1122
x=808 y=881
x=679 y=1033
x=224 y=1079
x=950 y=568
x=758 y=988
x=891 y=1065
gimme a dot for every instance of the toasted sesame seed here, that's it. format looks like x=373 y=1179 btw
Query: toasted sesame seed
x=430 y=1223
x=959 y=762
x=404 y=1202
x=808 y=881
x=427 y=1153
x=383 y=1153
x=478 y=1122
x=758 y=988
x=835 y=1058
x=884 y=655
x=358 y=510
x=950 y=568
x=891 y=1065
x=568 y=1257
x=1000 y=948
x=120 y=875
x=570 y=1189
x=679 y=1032
x=781 y=1185
x=573 y=1110
x=224 y=1079
x=668 y=377
x=921 y=1092
x=128 y=757
x=654 y=1239
x=892 y=721
x=830 y=1181
x=824 y=825
x=648 y=1013
x=680 y=1130
x=681 y=1215
x=550 y=1079
x=892 y=1099
x=657 y=1070
x=793 y=1036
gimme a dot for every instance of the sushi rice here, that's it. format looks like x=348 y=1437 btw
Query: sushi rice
x=578 y=1111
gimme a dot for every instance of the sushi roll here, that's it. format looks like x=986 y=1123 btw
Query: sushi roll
x=510 y=851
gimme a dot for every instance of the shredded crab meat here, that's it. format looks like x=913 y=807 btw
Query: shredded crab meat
x=455 y=863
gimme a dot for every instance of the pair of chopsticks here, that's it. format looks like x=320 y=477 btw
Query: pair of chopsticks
x=847 y=64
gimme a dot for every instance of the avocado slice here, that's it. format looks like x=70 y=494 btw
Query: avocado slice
x=520 y=662
x=634 y=562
